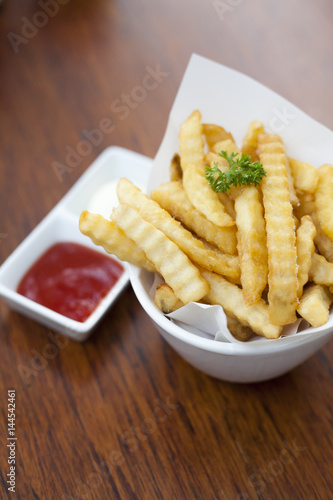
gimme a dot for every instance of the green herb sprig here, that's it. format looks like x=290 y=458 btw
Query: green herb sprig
x=242 y=172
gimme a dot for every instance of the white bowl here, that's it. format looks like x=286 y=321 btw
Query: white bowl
x=62 y=224
x=233 y=100
x=233 y=362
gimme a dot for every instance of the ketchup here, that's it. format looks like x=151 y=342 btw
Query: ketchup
x=70 y=279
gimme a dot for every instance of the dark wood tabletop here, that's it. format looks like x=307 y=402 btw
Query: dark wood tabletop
x=122 y=416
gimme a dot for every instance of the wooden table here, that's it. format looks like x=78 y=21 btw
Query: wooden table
x=122 y=415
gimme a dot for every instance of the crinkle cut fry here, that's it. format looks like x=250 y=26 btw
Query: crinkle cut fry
x=172 y=197
x=251 y=235
x=215 y=133
x=305 y=176
x=280 y=227
x=305 y=235
x=175 y=267
x=324 y=199
x=250 y=140
x=104 y=233
x=322 y=242
x=315 y=304
x=321 y=271
x=191 y=143
x=230 y=297
x=252 y=247
x=166 y=300
x=192 y=156
x=151 y=211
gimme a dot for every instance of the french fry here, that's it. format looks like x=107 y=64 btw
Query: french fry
x=262 y=253
x=306 y=204
x=307 y=207
x=292 y=191
x=239 y=331
x=230 y=297
x=305 y=175
x=280 y=227
x=175 y=267
x=321 y=271
x=229 y=204
x=227 y=199
x=324 y=199
x=166 y=300
x=250 y=141
x=191 y=144
x=315 y=304
x=197 y=189
x=227 y=145
x=231 y=260
x=213 y=157
x=104 y=233
x=278 y=148
x=172 y=197
x=215 y=133
x=175 y=169
x=162 y=220
x=203 y=198
x=252 y=248
x=305 y=249
x=323 y=242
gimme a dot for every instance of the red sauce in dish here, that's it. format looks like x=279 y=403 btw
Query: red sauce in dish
x=70 y=279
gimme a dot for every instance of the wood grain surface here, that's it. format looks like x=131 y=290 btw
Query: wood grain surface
x=122 y=416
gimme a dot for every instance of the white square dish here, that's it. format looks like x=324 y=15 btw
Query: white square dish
x=61 y=224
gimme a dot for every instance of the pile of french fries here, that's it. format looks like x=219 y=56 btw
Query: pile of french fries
x=264 y=253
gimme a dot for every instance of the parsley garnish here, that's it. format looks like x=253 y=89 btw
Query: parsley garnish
x=241 y=172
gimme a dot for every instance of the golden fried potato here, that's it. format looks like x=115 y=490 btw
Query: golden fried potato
x=168 y=259
x=250 y=141
x=230 y=297
x=215 y=133
x=292 y=191
x=166 y=300
x=305 y=175
x=214 y=158
x=175 y=169
x=307 y=207
x=104 y=233
x=197 y=189
x=239 y=331
x=323 y=242
x=315 y=304
x=229 y=204
x=305 y=235
x=172 y=197
x=203 y=198
x=162 y=220
x=306 y=204
x=262 y=252
x=227 y=145
x=252 y=247
x=191 y=144
x=280 y=227
x=324 y=199
x=321 y=271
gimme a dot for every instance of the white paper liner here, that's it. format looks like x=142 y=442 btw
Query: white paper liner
x=231 y=99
